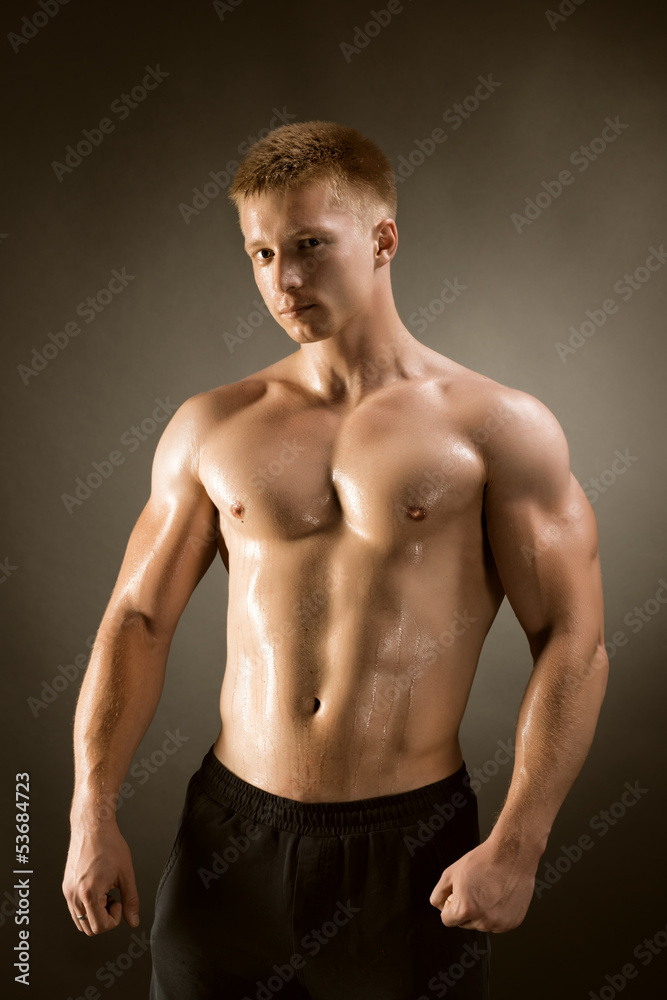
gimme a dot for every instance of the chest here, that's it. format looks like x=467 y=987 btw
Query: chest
x=385 y=470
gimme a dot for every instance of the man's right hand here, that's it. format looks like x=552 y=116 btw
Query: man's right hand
x=99 y=861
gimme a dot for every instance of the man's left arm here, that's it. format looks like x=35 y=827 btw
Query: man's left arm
x=543 y=535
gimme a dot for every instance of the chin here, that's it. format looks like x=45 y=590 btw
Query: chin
x=306 y=335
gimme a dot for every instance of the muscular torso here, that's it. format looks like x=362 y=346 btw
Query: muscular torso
x=361 y=583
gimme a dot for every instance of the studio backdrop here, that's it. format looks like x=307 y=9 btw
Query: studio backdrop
x=528 y=144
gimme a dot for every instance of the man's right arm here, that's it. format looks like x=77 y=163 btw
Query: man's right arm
x=172 y=545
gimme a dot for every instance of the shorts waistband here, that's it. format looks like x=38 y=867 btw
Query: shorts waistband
x=332 y=818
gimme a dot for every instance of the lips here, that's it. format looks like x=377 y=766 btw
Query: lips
x=294 y=311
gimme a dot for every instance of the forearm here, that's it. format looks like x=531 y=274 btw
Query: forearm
x=118 y=699
x=555 y=729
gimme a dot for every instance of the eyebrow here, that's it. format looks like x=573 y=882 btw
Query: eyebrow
x=290 y=235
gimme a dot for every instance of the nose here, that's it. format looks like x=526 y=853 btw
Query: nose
x=287 y=273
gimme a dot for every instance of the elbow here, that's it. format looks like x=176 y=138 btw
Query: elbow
x=129 y=619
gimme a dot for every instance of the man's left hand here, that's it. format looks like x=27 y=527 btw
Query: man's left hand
x=486 y=890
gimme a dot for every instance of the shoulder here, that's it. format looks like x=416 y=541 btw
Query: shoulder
x=194 y=420
x=524 y=447
x=516 y=435
x=202 y=412
x=206 y=412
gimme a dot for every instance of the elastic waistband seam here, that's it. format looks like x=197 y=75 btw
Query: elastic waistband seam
x=328 y=818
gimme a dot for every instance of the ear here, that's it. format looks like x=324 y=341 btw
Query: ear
x=386 y=241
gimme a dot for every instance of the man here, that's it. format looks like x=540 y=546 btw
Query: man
x=373 y=501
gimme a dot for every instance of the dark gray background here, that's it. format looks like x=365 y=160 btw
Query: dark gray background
x=162 y=337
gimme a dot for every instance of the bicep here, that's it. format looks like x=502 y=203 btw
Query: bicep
x=175 y=538
x=543 y=535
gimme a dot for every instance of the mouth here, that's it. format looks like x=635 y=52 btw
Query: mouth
x=295 y=313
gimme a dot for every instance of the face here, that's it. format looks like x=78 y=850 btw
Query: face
x=315 y=269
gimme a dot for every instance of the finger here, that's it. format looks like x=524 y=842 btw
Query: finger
x=442 y=890
x=451 y=914
x=70 y=907
x=130 y=898
x=83 y=924
x=74 y=915
x=100 y=919
x=114 y=909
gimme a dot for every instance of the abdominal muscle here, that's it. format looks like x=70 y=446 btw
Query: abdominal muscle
x=348 y=669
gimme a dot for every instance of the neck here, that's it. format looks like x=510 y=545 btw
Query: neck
x=372 y=350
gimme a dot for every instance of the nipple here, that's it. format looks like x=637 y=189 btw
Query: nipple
x=416 y=513
x=238 y=510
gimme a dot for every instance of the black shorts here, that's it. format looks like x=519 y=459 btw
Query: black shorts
x=266 y=897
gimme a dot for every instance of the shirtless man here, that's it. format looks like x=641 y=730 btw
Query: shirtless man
x=373 y=501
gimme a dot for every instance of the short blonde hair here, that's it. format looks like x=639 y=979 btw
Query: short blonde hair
x=358 y=172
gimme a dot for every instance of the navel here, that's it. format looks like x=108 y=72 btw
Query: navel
x=316 y=704
x=238 y=510
x=416 y=513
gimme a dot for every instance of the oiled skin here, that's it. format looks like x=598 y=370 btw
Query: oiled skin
x=349 y=568
x=373 y=501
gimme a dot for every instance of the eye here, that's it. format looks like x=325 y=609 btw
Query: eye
x=264 y=250
x=312 y=240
